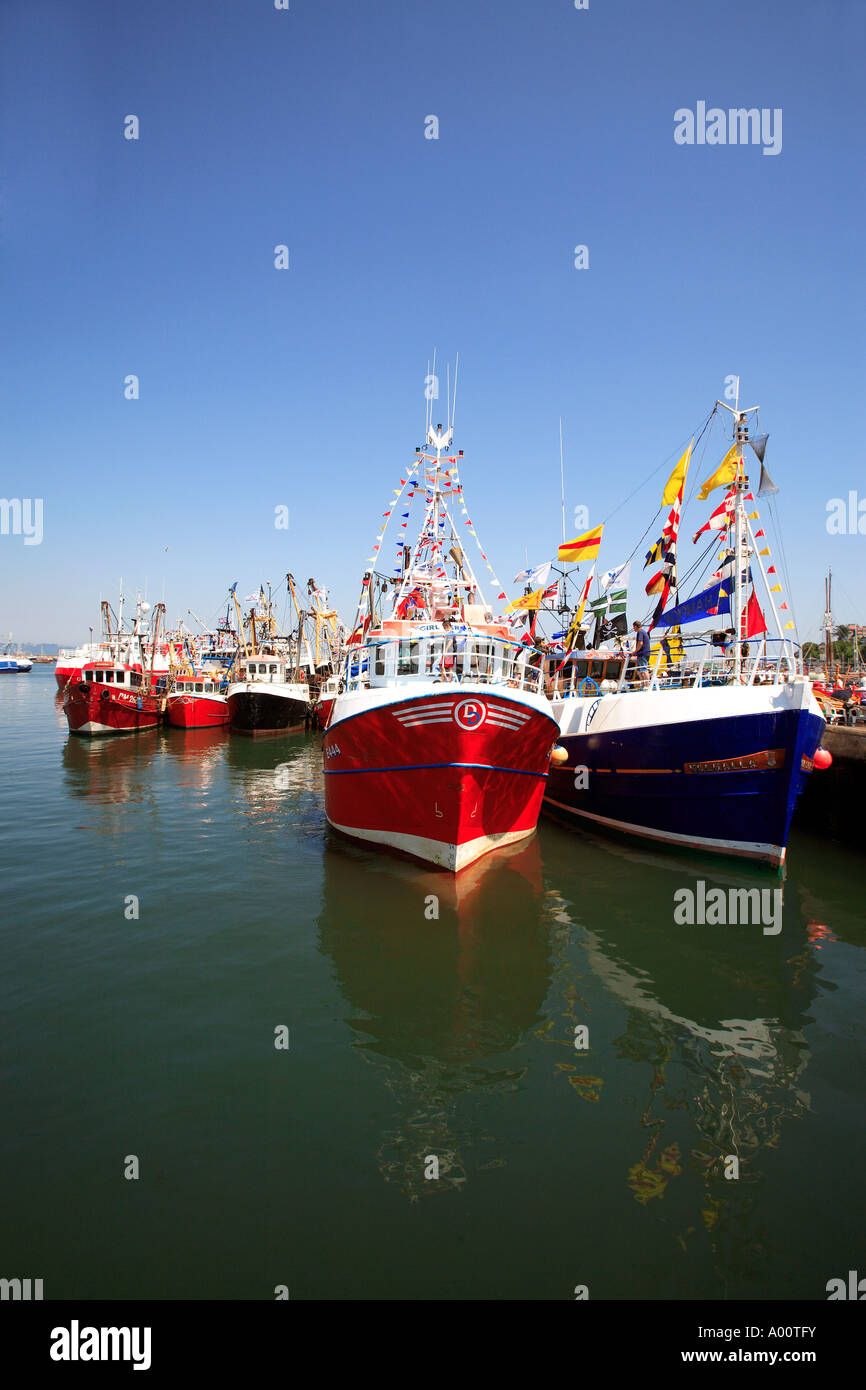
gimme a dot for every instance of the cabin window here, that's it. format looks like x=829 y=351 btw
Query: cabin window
x=88 y=675
x=199 y=686
x=273 y=670
x=407 y=659
x=100 y=675
x=134 y=678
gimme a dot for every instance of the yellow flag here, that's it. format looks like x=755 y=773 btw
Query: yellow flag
x=787 y=625
x=571 y=635
x=725 y=473
x=677 y=478
x=765 y=551
x=585 y=547
x=753 y=516
x=671 y=648
x=585 y=595
x=776 y=589
x=532 y=600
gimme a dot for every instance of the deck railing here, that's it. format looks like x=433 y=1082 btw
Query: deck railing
x=700 y=666
x=457 y=657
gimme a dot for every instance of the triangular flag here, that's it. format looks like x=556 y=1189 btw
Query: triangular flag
x=753 y=516
x=771 y=569
x=765 y=551
x=787 y=625
x=759 y=533
x=755 y=622
x=776 y=589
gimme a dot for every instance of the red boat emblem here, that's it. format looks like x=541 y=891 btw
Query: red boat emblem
x=470 y=714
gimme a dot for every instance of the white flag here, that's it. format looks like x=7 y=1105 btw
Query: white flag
x=619 y=576
x=538 y=576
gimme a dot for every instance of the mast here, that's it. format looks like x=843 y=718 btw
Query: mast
x=741 y=532
x=562 y=478
x=742 y=435
x=828 y=626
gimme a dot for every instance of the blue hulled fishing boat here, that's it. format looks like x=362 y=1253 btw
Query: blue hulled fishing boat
x=702 y=741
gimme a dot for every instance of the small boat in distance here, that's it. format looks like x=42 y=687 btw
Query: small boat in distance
x=13 y=663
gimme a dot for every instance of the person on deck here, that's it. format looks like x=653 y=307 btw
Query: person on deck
x=642 y=652
x=449 y=652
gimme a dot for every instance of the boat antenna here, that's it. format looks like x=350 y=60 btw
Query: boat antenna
x=431 y=378
x=562 y=478
x=454 y=397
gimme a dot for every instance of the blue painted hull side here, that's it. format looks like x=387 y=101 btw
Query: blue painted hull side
x=625 y=782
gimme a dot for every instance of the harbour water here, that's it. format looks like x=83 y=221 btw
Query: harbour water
x=172 y=900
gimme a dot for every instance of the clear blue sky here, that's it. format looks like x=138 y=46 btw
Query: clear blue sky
x=305 y=387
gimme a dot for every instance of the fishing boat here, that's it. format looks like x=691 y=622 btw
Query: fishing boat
x=198 y=691
x=14 y=664
x=197 y=701
x=439 y=737
x=710 y=744
x=119 y=693
x=269 y=692
x=325 y=650
x=328 y=692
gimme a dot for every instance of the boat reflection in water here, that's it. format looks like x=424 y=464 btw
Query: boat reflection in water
x=440 y=1002
x=713 y=1038
x=276 y=785
x=123 y=771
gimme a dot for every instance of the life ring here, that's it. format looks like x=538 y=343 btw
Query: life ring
x=105 y=695
x=588 y=680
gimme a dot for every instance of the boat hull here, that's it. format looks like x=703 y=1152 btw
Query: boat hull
x=257 y=709
x=197 y=711
x=446 y=777
x=713 y=770
x=324 y=710
x=95 y=710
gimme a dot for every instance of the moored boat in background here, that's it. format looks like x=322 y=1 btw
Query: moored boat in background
x=268 y=693
x=119 y=694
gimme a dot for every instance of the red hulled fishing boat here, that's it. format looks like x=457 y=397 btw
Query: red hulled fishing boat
x=438 y=743
x=121 y=693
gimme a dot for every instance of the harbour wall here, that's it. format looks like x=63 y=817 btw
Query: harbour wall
x=834 y=800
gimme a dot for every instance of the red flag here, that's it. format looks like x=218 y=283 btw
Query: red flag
x=755 y=623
